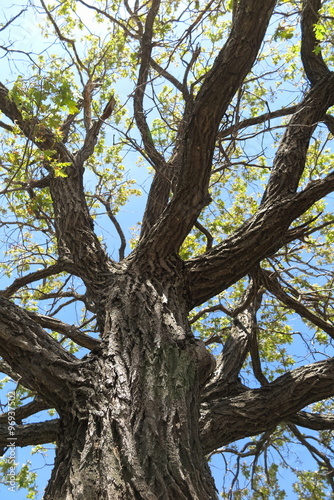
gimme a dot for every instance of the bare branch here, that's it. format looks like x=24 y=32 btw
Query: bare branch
x=113 y=219
x=272 y=285
x=61 y=36
x=256 y=120
x=320 y=457
x=207 y=233
x=125 y=27
x=69 y=331
x=8 y=23
x=146 y=50
x=163 y=72
x=93 y=131
x=34 y=276
x=206 y=310
x=6 y=126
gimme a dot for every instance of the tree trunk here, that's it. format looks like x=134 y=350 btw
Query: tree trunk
x=131 y=431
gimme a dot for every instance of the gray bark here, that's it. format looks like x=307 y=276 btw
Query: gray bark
x=136 y=435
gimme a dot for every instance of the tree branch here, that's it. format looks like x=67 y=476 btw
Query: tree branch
x=125 y=27
x=207 y=234
x=315 y=421
x=241 y=341
x=62 y=37
x=6 y=368
x=107 y=205
x=314 y=65
x=318 y=455
x=256 y=120
x=44 y=365
x=290 y=158
x=174 y=81
x=12 y=19
x=77 y=241
x=225 y=381
x=196 y=146
x=32 y=128
x=257 y=410
x=25 y=411
x=273 y=286
x=69 y=331
x=31 y=277
x=264 y=233
x=92 y=133
x=31 y=434
x=138 y=102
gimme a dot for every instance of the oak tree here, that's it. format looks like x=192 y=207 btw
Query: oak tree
x=213 y=326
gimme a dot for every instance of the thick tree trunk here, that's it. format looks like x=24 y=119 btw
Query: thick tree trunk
x=132 y=429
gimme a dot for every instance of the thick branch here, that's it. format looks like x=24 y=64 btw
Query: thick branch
x=263 y=234
x=290 y=159
x=260 y=236
x=77 y=242
x=41 y=361
x=7 y=369
x=315 y=421
x=158 y=197
x=202 y=122
x=225 y=381
x=258 y=410
x=25 y=411
x=30 y=434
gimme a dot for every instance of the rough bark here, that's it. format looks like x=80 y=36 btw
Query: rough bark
x=41 y=362
x=262 y=409
x=137 y=435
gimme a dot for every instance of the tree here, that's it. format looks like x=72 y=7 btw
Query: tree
x=231 y=112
